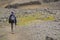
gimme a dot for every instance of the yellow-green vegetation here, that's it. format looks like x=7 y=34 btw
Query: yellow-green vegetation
x=23 y=20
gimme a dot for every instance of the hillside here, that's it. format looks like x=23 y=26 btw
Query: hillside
x=28 y=3
x=36 y=19
x=37 y=24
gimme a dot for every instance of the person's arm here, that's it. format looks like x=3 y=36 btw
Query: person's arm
x=9 y=19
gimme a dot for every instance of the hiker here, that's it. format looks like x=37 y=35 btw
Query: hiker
x=12 y=20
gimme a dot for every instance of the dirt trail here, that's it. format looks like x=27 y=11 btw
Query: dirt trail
x=34 y=31
x=9 y=35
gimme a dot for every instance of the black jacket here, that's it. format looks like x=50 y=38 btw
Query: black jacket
x=12 y=21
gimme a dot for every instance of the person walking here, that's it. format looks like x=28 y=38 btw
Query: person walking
x=12 y=20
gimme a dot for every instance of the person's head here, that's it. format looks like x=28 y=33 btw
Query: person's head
x=12 y=13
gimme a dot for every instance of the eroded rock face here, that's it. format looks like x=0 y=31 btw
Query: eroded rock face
x=19 y=3
x=23 y=4
x=47 y=1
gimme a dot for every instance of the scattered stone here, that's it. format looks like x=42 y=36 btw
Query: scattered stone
x=49 y=38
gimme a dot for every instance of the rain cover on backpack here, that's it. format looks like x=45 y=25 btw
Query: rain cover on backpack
x=12 y=17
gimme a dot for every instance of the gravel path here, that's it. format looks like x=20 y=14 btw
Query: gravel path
x=33 y=31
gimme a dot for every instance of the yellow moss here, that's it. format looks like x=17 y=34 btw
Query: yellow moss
x=49 y=18
x=24 y=20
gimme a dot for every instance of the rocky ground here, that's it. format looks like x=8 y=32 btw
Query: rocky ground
x=43 y=21
x=38 y=30
x=35 y=30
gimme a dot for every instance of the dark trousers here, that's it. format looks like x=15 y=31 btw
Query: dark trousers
x=12 y=27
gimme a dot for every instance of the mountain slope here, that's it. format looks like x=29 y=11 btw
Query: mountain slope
x=5 y=3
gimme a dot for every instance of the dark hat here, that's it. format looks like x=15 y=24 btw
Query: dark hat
x=12 y=12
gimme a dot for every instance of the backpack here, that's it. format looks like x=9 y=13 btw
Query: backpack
x=12 y=17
